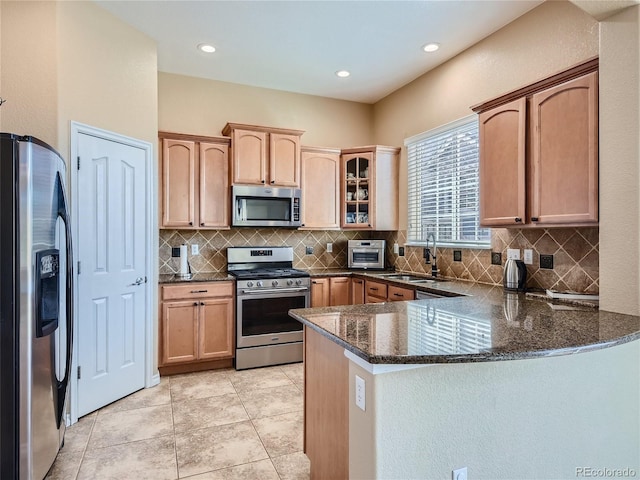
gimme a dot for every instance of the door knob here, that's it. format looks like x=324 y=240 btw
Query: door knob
x=139 y=281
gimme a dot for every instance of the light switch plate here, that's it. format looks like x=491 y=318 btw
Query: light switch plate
x=329 y=247
x=396 y=248
x=513 y=253
x=195 y=249
x=528 y=256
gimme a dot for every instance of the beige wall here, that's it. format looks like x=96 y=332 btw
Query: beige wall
x=200 y=106
x=620 y=162
x=107 y=74
x=28 y=58
x=539 y=418
x=546 y=40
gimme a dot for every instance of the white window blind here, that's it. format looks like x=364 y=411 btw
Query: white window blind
x=443 y=186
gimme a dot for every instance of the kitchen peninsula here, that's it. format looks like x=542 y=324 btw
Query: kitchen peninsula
x=504 y=384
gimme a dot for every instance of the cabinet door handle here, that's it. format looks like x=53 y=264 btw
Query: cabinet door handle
x=202 y=224
x=199 y=291
x=518 y=220
x=195 y=304
x=191 y=224
x=313 y=281
x=273 y=181
x=373 y=288
x=262 y=181
x=398 y=294
x=202 y=304
x=534 y=219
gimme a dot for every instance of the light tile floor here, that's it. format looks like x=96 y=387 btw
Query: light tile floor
x=215 y=425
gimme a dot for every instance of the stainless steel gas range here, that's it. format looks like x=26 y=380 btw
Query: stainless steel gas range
x=267 y=287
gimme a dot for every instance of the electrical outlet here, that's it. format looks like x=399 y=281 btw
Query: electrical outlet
x=195 y=249
x=496 y=258
x=457 y=255
x=360 y=393
x=401 y=252
x=459 y=474
x=528 y=256
x=546 y=261
x=175 y=252
x=396 y=248
x=329 y=247
x=513 y=253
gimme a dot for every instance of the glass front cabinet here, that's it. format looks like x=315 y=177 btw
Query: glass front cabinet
x=356 y=186
x=369 y=188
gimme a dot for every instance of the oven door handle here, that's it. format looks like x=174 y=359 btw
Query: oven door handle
x=274 y=290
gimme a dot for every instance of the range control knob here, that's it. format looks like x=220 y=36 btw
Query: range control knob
x=298 y=282
x=259 y=284
x=289 y=282
x=249 y=284
x=274 y=283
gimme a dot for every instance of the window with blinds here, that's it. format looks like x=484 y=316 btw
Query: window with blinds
x=443 y=186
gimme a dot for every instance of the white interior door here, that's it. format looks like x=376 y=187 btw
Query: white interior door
x=110 y=247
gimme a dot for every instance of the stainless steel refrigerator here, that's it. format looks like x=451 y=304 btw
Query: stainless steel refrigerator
x=36 y=301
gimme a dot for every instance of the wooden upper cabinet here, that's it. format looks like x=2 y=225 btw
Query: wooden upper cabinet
x=564 y=180
x=195 y=181
x=214 y=185
x=178 y=183
x=502 y=133
x=284 y=160
x=369 y=188
x=249 y=156
x=539 y=152
x=264 y=155
x=320 y=176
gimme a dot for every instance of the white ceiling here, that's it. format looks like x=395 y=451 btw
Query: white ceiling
x=297 y=46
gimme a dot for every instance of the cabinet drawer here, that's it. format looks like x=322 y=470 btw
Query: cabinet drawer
x=376 y=289
x=197 y=290
x=399 y=294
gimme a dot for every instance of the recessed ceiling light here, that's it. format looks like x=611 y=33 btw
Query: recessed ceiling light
x=206 y=48
x=431 y=47
x=343 y=73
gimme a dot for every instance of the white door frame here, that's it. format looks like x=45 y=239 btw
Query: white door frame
x=152 y=377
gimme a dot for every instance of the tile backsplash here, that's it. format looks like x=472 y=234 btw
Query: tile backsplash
x=213 y=245
x=574 y=250
x=575 y=257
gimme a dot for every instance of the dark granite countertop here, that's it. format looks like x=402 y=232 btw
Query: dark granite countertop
x=488 y=324
x=165 y=278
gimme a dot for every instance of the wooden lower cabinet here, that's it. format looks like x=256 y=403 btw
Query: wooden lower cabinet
x=375 y=292
x=197 y=322
x=326 y=407
x=357 y=291
x=399 y=294
x=330 y=291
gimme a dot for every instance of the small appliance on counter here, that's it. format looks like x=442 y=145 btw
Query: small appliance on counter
x=515 y=275
x=366 y=254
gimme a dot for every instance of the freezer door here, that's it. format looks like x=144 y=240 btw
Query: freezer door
x=42 y=205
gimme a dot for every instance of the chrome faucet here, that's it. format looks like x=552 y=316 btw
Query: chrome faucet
x=431 y=254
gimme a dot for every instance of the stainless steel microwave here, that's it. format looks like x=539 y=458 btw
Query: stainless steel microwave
x=368 y=254
x=255 y=206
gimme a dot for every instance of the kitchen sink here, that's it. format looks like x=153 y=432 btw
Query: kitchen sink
x=404 y=278
x=429 y=280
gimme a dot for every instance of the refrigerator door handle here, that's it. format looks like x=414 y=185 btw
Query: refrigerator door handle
x=63 y=213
